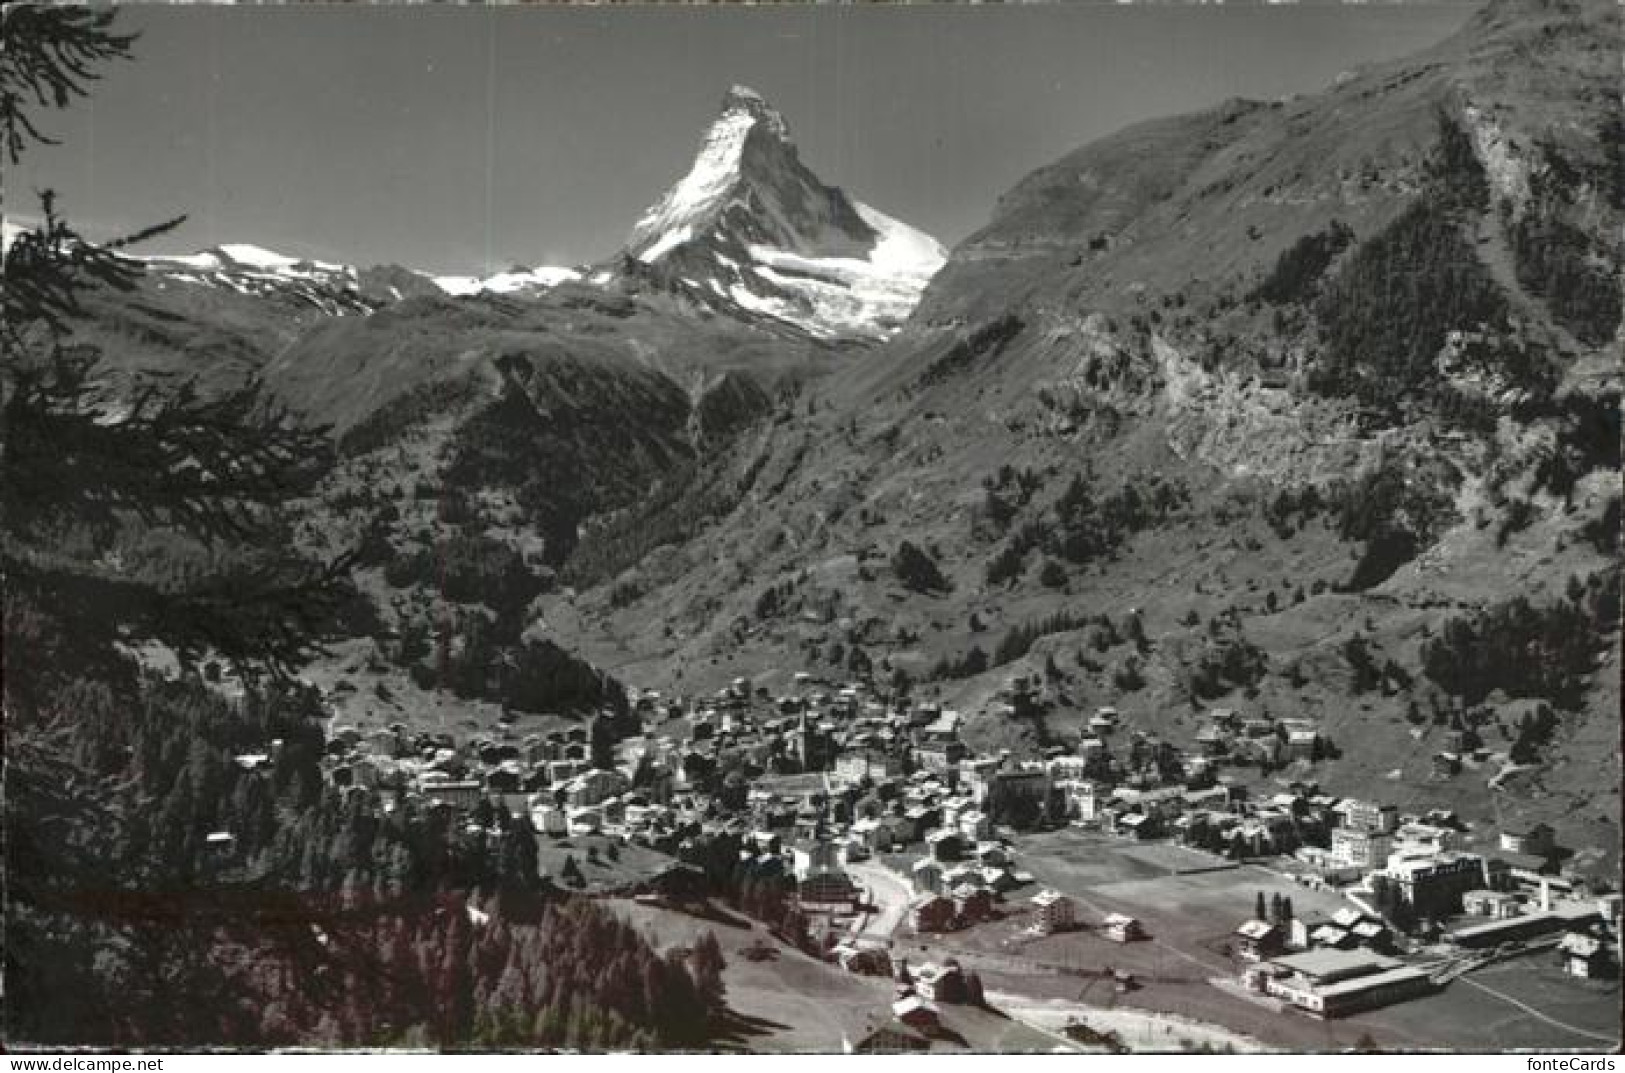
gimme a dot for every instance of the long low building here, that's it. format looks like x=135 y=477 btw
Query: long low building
x=1335 y=983
x=1378 y=989
x=1527 y=926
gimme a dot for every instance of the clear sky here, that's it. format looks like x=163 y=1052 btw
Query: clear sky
x=470 y=139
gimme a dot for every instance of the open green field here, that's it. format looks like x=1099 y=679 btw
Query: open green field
x=1213 y=901
x=1072 y=859
x=1563 y=1012
x=1157 y=883
x=630 y=864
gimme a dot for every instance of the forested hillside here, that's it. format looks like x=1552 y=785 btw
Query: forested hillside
x=180 y=871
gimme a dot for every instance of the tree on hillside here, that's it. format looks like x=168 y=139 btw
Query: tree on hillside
x=330 y=922
x=708 y=963
x=1052 y=575
x=917 y=570
x=571 y=872
x=198 y=480
x=82 y=464
x=974 y=992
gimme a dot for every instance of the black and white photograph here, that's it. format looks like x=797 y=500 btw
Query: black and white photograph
x=1072 y=528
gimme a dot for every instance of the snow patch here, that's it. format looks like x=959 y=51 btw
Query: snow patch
x=665 y=244
x=901 y=249
x=541 y=276
x=250 y=256
x=457 y=285
x=850 y=295
x=514 y=282
x=203 y=262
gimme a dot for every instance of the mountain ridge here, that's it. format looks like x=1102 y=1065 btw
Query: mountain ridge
x=748 y=232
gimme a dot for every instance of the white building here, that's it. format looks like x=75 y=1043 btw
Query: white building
x=1053 y=911
x=549 y=820
x=1361 y=848
x=584 y=820
x=938 y=983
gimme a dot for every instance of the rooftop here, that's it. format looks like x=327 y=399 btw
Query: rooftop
x=1580 y=945
x=1369 y=980
x=1334 y=964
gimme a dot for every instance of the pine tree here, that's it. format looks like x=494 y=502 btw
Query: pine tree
x=83 y=466
x=1258 y=907
x=517 y=867
x=708 y=964
x=974 y=995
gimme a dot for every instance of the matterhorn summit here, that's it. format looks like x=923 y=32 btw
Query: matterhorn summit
x=752 y=231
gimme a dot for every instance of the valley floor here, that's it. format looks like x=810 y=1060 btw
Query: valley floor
x=1186 y=991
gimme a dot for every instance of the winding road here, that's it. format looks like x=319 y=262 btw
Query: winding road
x=890 y=894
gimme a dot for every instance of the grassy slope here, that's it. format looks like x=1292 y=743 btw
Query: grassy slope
x=795 y=1003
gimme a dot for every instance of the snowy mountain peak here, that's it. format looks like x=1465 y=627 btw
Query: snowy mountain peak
x=743 y=99
x=717 y=174
x=750 y=229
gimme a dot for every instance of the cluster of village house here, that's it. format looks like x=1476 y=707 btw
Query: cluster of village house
x=830 y=774
x=915 y=1019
